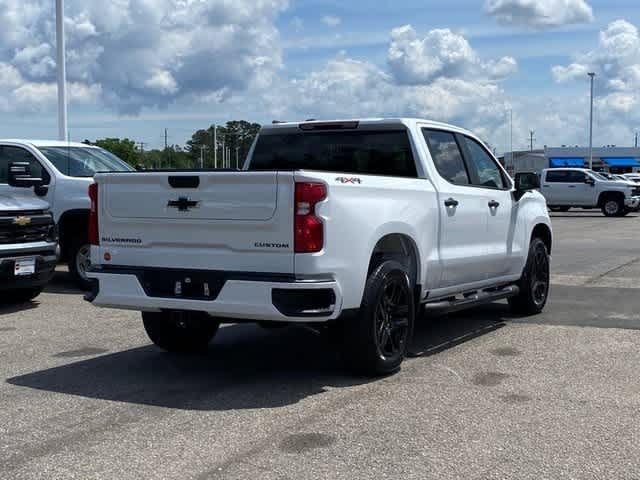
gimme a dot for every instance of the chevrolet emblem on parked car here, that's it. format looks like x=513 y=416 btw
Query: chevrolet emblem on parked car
x=22 y=221
x=183 y=204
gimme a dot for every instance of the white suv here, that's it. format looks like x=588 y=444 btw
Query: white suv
x=66 y=170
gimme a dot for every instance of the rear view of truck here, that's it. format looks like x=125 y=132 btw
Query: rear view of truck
x=289 y=239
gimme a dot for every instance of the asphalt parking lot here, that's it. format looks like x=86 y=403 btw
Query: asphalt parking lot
x=84 y=395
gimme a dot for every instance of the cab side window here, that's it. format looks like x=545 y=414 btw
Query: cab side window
x=576 y=177
x=482 y=167
x=557 y=176
x=447 y=156
x=10 y=154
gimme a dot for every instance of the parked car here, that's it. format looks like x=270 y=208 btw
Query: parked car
x=28 y=243
x=634 y=177
x=67 y=170
x=353 y=225
x=565 y=188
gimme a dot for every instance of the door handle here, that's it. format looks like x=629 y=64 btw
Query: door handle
x=494 y=204
x=572 y=186
x=451 y=202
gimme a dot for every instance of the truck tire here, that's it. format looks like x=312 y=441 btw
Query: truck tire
x=79 y=261
x=612 y=206
x=375 y=341
x=22 y=295
x=534 y=283
x=180 y=331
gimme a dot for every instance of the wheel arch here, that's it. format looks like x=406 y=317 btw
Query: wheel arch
x=71 y=225
x=543 y=231
x=610 y=193
x=400 y=247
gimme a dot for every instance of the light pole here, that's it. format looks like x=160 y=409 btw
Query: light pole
x=592 y=75
x=62 y=72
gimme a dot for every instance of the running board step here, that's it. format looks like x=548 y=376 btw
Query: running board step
x=474 y=300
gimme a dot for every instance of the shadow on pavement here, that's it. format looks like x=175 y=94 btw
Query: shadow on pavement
x=62 y=283
x=8 y=307
x=245 y=367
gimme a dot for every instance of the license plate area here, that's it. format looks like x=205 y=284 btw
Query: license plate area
x=23 y=267
x=187 y=285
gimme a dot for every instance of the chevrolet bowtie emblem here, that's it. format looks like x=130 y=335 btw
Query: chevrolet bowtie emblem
x=183 y=204
x=22 y=221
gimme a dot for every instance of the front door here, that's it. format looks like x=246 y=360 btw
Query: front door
x=9 y=154
x=503 y=249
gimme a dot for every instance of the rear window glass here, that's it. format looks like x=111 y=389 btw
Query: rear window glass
x=385 y=153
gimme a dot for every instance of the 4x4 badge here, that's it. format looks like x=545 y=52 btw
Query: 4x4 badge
x=353 y=180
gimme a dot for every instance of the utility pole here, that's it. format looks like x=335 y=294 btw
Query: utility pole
x=61 y=68
x=215 y=145
x=223 y=151
x=166 y=151
x=142 y=144
x=531 y=140
x=592 y=75
x=513 y=164
x=237 y=156
x=636 y=139
x=202 y=157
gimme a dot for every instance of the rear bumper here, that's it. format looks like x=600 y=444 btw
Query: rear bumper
x=262 y=300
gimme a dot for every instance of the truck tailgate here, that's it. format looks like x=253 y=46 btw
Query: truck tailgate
x=232 y=221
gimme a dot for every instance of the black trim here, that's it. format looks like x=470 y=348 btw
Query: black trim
x=227 y=274
x=304 y=302
x=179 y=181
x=203 y=285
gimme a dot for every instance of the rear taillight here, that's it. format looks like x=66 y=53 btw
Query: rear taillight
x=308 y=228
x=93 y=215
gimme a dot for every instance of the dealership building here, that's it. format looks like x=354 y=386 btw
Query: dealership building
x=608 y=159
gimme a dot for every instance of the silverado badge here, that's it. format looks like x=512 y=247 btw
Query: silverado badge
x=22 y=221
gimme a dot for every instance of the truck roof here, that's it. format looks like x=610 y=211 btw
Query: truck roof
x=367 y=122
x=45 y=143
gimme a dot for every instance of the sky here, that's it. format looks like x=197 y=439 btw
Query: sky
x=136 y=67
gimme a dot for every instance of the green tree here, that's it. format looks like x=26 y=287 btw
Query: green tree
x=122 y=148
x=236 y=136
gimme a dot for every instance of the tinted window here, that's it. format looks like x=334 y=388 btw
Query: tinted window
x=17 y=154
x=446 y=156
x=557 y=176
x=82 y=161
x=575 y=177
x=483 y=169
x=363 y=152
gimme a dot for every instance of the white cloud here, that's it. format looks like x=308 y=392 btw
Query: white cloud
x=540 y=13
x=441 y=53
x=439 y=77
x=18 y=94
x=331 y=20
x=616 y=62
x=145 y=53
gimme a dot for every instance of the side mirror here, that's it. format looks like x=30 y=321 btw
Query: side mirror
x=589 y=181
x=20 y=176
x=525 y=182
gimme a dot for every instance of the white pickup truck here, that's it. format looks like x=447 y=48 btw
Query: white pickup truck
x=355 y=225
x=565 y=188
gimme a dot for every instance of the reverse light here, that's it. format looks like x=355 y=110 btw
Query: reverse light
x=308 y=228
x=93 y=215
